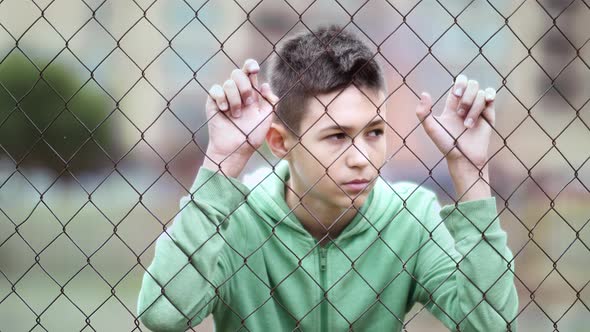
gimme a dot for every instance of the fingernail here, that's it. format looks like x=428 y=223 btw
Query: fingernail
x=223 y=106
x=238 y=113
x=469 y=123
x=490 y=95
x=249 y=101
x=461 y=112
x=458 y=92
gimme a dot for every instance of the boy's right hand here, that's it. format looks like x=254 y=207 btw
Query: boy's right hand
x=235 y=110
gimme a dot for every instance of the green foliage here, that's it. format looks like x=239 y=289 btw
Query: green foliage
x=42 y=97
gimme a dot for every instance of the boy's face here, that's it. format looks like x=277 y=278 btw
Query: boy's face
x=329 y=157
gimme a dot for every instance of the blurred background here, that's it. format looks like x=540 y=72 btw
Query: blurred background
x=103 y=128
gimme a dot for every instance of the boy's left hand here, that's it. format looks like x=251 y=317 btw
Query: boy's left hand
x=465 y=102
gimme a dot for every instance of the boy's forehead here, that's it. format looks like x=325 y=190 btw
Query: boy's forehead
x=350 y=93
x=349 y=108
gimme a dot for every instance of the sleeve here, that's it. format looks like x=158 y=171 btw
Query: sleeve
x=464 y=269
x=180 y=287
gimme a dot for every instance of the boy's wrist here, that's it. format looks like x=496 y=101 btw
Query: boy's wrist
x=468 y=182
x=231 y=165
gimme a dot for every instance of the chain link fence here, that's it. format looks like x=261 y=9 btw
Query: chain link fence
x=103 y=128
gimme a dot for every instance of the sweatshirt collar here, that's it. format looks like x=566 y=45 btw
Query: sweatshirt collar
x=267 y=197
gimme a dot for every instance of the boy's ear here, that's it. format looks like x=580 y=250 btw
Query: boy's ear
x=278 y=140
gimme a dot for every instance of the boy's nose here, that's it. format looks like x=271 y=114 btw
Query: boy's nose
x=357 y=155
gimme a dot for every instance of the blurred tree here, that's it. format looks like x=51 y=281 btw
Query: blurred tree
x=52 y=105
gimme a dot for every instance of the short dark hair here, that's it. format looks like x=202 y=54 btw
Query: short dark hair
x=336 y=59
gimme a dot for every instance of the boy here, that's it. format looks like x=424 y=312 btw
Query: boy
x=323 y=243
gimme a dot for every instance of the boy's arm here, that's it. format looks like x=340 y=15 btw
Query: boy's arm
x=463 y=275
x=468 y=183
x=462 y=271
x=184 y=282
x=190 y=262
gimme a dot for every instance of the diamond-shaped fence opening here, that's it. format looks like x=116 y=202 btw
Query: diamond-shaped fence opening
x=131 y=199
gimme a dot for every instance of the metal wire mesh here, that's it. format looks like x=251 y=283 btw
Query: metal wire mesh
x=71 y=257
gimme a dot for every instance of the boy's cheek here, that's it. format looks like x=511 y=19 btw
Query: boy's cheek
x=319 y=156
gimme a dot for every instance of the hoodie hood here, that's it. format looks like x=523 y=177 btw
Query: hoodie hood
x=267 y=198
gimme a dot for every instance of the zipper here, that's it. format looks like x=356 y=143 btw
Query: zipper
x=323 y=282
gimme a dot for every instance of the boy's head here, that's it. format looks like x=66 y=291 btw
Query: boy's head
x=328 y=78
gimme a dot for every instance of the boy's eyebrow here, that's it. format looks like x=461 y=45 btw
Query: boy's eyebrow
x=347 y=128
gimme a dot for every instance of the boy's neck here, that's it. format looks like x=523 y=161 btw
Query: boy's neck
x=327 y=216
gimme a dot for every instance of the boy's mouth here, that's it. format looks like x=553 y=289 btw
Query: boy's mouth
x=357 y=181
x=356 y=185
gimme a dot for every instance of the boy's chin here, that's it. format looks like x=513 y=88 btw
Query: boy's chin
x=357 y=200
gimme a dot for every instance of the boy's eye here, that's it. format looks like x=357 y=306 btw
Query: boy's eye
x=339 y=136
x=377 y=132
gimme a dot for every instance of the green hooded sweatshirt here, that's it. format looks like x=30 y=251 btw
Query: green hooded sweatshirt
x=260 y=270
